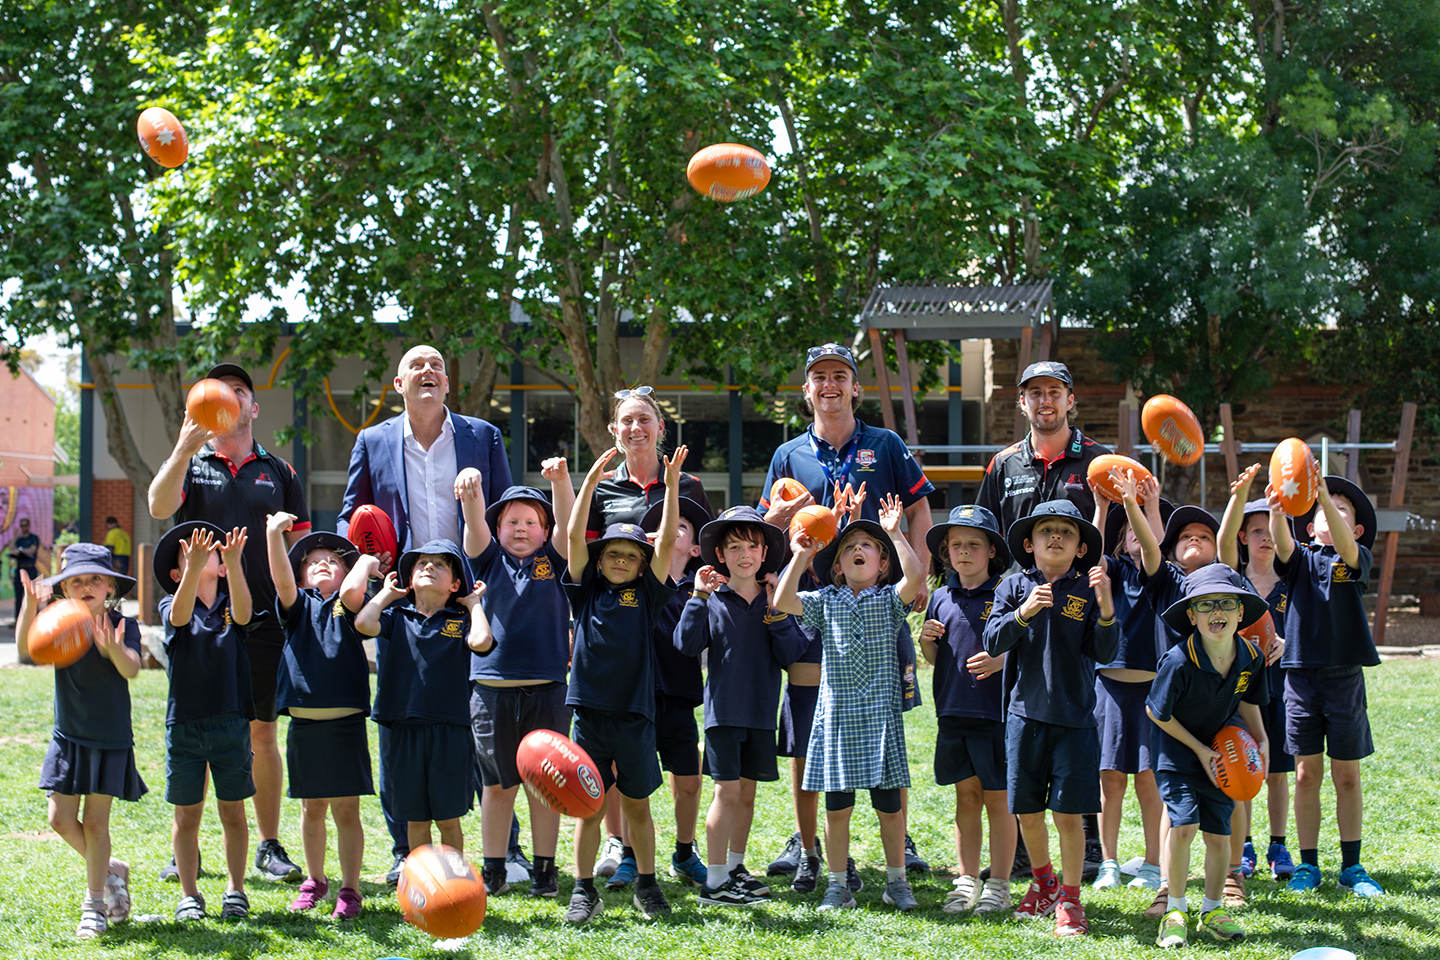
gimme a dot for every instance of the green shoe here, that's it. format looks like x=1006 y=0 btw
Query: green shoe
x=1172 y=930
x=1221 y=925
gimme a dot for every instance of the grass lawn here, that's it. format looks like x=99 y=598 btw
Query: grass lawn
x=42 y=882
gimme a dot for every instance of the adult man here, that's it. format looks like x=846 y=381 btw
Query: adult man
x=24 y=551
x=232 y=481
x=119 y=543
x=407 y=466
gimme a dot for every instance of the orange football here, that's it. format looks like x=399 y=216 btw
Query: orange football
x=1173 y=429
x=213 y=405
x=162 y=137
x=786 y=489
x=728 y=171
x=1262 y=632
x=440 y=892
x=61 y=633
x=1295 y=475
x=1099 y=473
x=1240 y=771
x=815 y=521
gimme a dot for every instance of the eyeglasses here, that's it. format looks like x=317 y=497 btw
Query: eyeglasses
x=636 y=392
x=1205 y=606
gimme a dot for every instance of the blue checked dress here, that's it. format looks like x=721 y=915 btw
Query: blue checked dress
x=858 y=739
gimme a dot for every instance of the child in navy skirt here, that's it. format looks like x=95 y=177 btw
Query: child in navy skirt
x=92 y=753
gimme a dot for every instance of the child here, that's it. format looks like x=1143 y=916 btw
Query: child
x=519 y=687
x=970 y=552
x=858 y=738
x=1059 y=618
x=616 y=592
x=1328 y=644
x=1121 y=687
x=207 y=718
x=729 y=614
x=1245 y=545
x=324 y=687
x=422 y=682
x=91 y=759
x=1200 y=684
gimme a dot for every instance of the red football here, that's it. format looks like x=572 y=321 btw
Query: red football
x=1099 y=474
x=61 y=633
x=1240 y=771
x=162 y=137
x=1173 y=429
x=1295 y=475
x=372 y=532
x=1262 y=633
x=560 y=774
x=440 y=892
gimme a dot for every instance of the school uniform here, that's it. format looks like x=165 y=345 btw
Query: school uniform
x=1120 y=718
x=1162 y=588
x=679 y=689
x=210 y=704
x=1052 y=749
x=970 y=735
x=530 y=619
x=323 y=666
x=1189 y=689
x=92 y=747
x=1281 y=760
x=749 y=645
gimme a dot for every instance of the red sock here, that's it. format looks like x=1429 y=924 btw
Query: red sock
x=1071 y=894
x=1045 y=876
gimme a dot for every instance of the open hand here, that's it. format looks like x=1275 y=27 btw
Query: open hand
x=708 y=579
x=467 y=485
x=474 y=596
x=890 y=513
x=555 y=469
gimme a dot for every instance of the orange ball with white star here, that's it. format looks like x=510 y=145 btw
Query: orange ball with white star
x=162 y=137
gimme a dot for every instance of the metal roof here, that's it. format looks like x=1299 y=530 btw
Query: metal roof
x=957 y=312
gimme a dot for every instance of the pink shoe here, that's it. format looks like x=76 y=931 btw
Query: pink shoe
x=312 y=891
x=347 y=904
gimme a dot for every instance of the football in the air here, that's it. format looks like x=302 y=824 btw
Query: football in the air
x=61 y=633
x=728 y=171
x=1099 y=474
x=1173 y=429
x=816 y=522
x=440 y=892
x=213 y=405
x=372 y=532
x=1240 y=771
x=1295 y=475
x=562 y=775
x=1262 y=633
x=162 y=137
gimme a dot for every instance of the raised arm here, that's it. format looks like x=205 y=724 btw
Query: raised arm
x=1234 y=518
x=562 y=500
x=37 y=594
x=167 y=490
x=480 y=639
x=471 y=493
x=1279 y=527
x=912 y=574
x=367 y=621
x=1149 y=546
x=241 y=609
x=787 y=595
x=579 y=554
x=276 y=526
x=669 y=515
x=194 y=554
x=357 y=582
x=1341 y=533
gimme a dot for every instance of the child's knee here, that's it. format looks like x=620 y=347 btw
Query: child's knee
x=232 y=813
x=189 y=816
x=1184 y=834
x=1346 y=775
x=1218 y=842
x=346 y=812
x=1309 y=772
x=687 y=786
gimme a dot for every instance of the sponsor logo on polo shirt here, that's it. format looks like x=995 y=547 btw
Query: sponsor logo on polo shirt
x=199 y=474
x=264 y=481
x=865 y=458
x=453 y=628
x=629 y=598
x=1243 y=682
x=543 y=570
x=1074 y=608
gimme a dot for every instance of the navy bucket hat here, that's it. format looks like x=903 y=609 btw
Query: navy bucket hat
x=777 y=553
x=974 y=517
x=1214 y=578
x=1020 y=531
x=825 y=559
x=322 y=540
x=1364 y=511
x=442 y=547
x=167 y=551
x=81 y=559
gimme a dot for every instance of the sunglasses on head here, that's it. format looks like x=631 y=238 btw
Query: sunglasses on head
x=828 y=350
x=644 y=391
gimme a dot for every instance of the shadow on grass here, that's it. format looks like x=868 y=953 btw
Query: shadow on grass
x=263 y=933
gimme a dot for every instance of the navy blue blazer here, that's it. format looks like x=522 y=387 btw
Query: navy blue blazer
x=377 y=469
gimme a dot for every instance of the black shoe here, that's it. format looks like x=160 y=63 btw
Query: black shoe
x=584 y=906
x=852 y=876
x=545 y=882
x=274 y=864
x=171 y=873
x=913 y=860
x=495 y=882
x=651 y=902
x=789 y=861
x=393 y=877
x=747 y=883
x=807 y=876
x=1094 y=856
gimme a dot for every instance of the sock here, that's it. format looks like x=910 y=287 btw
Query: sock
x=717 y=875
x=495 y=863
x=1349 y=854
x=1045 y=876
x=733 y=860
x=627 y=853
x=644 y=880
x=812 y=851
x=837 y=879
x=1176 y=903
x=1071 y=894
x=1278 y=838
x=684 y=851
x=894 y=873
x=1233 y=868
x=1206 y=905
x=587 y=884
x=544 y=865
x=1311 y=857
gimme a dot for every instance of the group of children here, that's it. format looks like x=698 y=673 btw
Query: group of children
x=1117 y=650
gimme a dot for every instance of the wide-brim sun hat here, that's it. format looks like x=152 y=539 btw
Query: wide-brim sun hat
x=1020 y=530
x=974 y=517
x=1211 y=579
x=825 y=559
x=82 y=559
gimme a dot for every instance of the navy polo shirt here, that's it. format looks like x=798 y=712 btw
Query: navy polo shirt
x=676 y=675
x=1189 y=689
x=1054 y=654
x=958 y=693
x=423 y=663
x=529 y=615
x=749 y=645
x=1326 y=624
x=1279 y=601
x=613 y=665
x=92 y=699
x=873 y=456
x=323 y=663
x=1166 y=587
x=208 y=667
x=1142 y=631
x=618 y=499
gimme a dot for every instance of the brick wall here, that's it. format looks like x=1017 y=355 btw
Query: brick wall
x=111 y=498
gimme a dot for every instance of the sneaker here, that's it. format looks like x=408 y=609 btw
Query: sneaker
x=312 y=891
x=1172 y=930
x=190 y=908
x=171 y=873
x=1355 y=880
x=1247 y=860
x=913 y=861
x=624 y=874
x=234 y=905
x=995 y=898
x=517 y=867
x=274 y=863
x=746 y=882
x=1281 y=866
x=92 y=919
x=495 y=880
x=1305 y=878
x=838 y=897
x=1221 y=925
x=807 y=876
x=651 y=902
x=899 y=895
x=610 y=856
x=1094 y=856
x=545 y=881
x=584 y=906
x=396 y=868
x=117 y=896
x=347 y=905
x=692 y=870
x=1147 y=877
x=789 y=860
x=1070 y=919
x=1109 y=875
x=728 y=894
x=1161 y=903
x=1234 y=895
x=965 y=895
x=1038 y=902
x=1132 y=866
x=852 y=876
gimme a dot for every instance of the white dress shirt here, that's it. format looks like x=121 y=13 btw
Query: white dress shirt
x=430 y=486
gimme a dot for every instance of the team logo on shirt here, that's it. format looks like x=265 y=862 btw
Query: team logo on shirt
x=1243 y=683
x=865 y=458
x=989 y=604
x=337 y=609
x=774 y=616
x=453 y=628
x=1284 y=602
x=629 y=598
x=1074 y=608
x=1339 y=572
x=543 y=570
x=264 y=481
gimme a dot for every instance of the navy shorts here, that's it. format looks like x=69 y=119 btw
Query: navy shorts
x=1325 y=712
x=328 y=758
x=625 y=739
x=223 y=744
x=797 y=716
x=677 y=738
x=431 y=766
x=264 y=650
x=968 y=747
x=73 y=770
x=500 y=717
x=735 y=752
x=1273 y=713
x=1124 y=726
x=1050 y=767
x=1194 y=799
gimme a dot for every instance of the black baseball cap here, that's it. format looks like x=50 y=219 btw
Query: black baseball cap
x=1047 y=368
x=222 y=370
x=830 y=351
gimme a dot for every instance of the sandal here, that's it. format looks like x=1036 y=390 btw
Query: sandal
x=190 y=908
x=92 y=920
x=234 y=905
x=117 y=896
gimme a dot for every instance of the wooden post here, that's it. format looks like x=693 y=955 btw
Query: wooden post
x=1126 y=445
x=1230 y=447
x=1027 y=341
x=907 y=394
x=1397 y=500
x=1045 y=342
x=1352 y=457
x=142 y=559
x=882 y=379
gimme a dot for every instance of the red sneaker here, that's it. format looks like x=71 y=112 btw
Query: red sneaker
x=1070 y=920
x=1038 y=902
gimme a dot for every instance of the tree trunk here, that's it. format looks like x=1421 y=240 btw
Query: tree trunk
x=474 y=401
x=117 y=426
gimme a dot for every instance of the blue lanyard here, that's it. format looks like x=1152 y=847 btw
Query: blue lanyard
x=852 y=445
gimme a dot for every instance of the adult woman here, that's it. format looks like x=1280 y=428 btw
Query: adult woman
x=638 y=426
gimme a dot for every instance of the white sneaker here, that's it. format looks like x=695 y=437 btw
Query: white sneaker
x=995 y=897
x=610 y=855
x=1132 y=866
x=1148 y=877
x=1109 y=875
x=965 y=895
